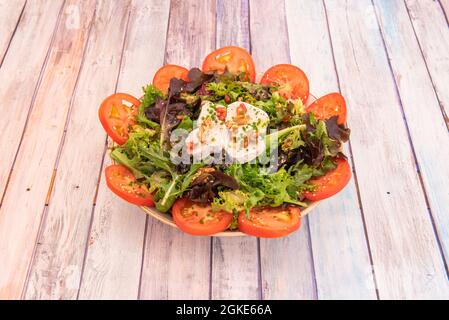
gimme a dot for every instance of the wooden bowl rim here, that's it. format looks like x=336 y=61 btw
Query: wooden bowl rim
x=166 y=218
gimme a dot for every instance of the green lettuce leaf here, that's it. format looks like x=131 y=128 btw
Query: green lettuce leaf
x=168 y=192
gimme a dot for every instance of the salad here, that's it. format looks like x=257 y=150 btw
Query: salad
x=219 y=151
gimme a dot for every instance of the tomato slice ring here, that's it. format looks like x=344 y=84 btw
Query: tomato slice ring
x=332 y=104
x=116 y=116
x=122 y=182
x=162 y=77
x=235 y=59
x=331 y=183
x=292 y=81
x=269 y=222
x=198 y=219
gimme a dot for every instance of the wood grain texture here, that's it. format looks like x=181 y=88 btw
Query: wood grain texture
x=35 y=33
x=235 y=268
x=68 y=236
x=233 y=24
x=269 y=42
x=431 y=29
x=193 y=27
x=10 y=12
x=445 y=7
x=20 y=220
x=177 y=265
x=114 y=258
x=235 y=262
x=58 y=262
x=338 y=217
x=407 y=260
x=287 y=266
x=427 y=129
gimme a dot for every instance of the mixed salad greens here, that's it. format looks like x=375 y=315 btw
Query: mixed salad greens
x=297 y=152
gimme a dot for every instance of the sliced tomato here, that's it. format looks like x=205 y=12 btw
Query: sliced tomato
x=198 y=218
x=332 y=104
x=161 y=79
x=331 y=183
x=269 y=222
x=122 y=182
x=117 y=113
x=235 y=59
x=292 y=81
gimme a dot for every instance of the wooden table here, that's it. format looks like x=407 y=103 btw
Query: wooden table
x=64 y=235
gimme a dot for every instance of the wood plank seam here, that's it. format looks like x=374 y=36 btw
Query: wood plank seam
x=69 y=113
x=443 y=112
x=37 y=243
x=102 y=162
x=13 y=33
x=144 y=247
x=167 y=31
x=216 y=27
x=33 y=99
x=145 y=243
x=297 y=246
x=444 y=11
x=221 y=249
x=259 y=258
x=259 y=269
x=315 y=285
x=60 y=147
x=354 y=171
x=403 y=265
x=211 y=248
x=412 y=145
x=169 y=282
x=429 y=209
x=86 y=248
x=105 y=151
x=60 y=72
x=143 y=256
x=362 y=214
x=249 y=31
x=106 y=147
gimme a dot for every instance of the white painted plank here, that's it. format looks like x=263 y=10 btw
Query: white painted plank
x=31 y=177
x=235 y=268
x=114 y=258
x=445 y=7
x=407 y=260
x=10 y=11
x=234 y=278
x=233 y=23
x=431 y=28
x=58 y=261
x=269 y=34
x=422 y=111
x=177 y=265
x=340 y=252
x=287 y=267
x=269 y=42
x=21 y=70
